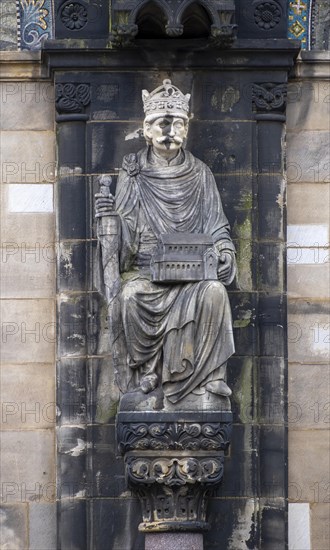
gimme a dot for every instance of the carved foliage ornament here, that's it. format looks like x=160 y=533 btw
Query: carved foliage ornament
x=267 y=15
x=269 y=97
x=72 y=98
x=175 y=471
x=176 y=436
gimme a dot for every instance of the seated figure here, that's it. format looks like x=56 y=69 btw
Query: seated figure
x=177 y=326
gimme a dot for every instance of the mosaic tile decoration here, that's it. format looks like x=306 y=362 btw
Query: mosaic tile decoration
x=35 y=23
x=299 y=21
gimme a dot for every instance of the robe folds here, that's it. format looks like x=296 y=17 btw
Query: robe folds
x=182 y=331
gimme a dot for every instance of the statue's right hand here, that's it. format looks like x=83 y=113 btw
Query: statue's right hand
x=104 y=205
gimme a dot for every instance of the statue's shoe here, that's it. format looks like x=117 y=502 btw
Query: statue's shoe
x=149 y=383
x=219 y=387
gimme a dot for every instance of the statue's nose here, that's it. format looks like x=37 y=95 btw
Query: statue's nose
x=171 y=131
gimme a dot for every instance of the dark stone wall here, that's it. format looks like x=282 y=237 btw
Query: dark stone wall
x=241 y=141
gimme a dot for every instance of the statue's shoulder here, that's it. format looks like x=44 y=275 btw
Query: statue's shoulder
x=196 y=162
x=132 y=162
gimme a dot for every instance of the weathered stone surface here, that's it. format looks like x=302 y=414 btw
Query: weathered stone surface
x=308 y=105
x=13 y=526
x=27 y=272
x=28 y=396
x=42 y=526
x=308 y=397
x=306 y=203
x=309 y=281
x=320 y=512
x=8 y=20
x=32 y=477
x=309 y=476
x=308 y=165
x=27 y=156
x=308 y=332
x=174 y=541
x=20 y=99
x=28 y=331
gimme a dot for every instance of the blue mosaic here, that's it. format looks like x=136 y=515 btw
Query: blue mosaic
x=35 y=23
x=299 y=21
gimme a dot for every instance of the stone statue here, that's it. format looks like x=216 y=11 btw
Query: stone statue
x=167 y=254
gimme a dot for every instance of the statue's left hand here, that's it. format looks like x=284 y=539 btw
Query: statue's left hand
x=225 y=266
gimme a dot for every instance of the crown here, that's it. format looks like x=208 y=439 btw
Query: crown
x=165 y=100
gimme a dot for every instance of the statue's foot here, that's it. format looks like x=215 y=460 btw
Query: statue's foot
x=219 y=387
x=149 y=383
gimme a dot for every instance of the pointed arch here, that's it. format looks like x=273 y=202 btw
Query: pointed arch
x=208 y=7
x=196 y=21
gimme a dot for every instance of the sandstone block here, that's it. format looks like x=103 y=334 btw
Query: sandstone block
x=28 y=331
x=311 y=281
x=28 y=466
x=308 y=164
x=27 y=272
x=320 y=525
x=306 y=204
x=308 y=334
x=27 y=156
x=27 y=106
x=308 y=475
x=25 y=230
x=309 y=395
x=308 y=105
x=28 y=396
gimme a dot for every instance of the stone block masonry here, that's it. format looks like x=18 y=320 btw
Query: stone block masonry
x=308 y=252
x=27 y=306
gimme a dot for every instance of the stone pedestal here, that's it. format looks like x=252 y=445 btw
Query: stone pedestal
x=174 y=541
x=172 y=463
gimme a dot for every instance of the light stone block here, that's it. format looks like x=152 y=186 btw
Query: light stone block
x=309 y=280
x=27 y=156
x=309 y=467
x=299 y=526
x=42 y=526
x=308 y=235
x=27 y=105
x=308 y=157
x=27 y=331
x=309 y=337
x=320 y=524
x=308 y=396
x=14 y=526
x=308 y=204
x=27 y=272
x=308 y=105
x=30 y=197
x=27 y=396
x=25 y=230
x=28 y=466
